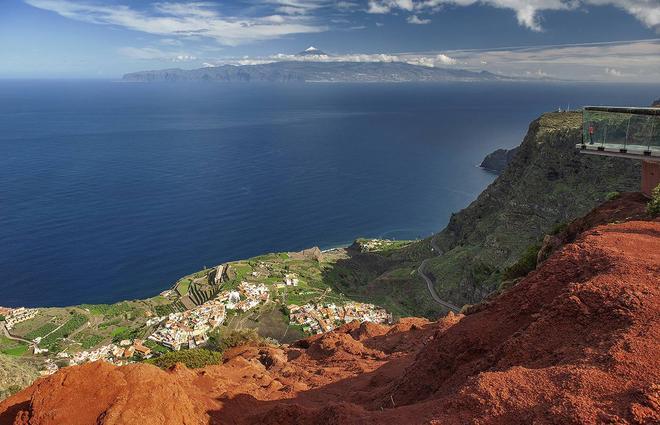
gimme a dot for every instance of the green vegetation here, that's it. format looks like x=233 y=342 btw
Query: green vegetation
x=653 y=207
x=155 y=347
x=13 y=348
x=90 y=341
x=183 y=286
x=75 y=322
x=108 y=311
x=525 y=264
x=612 y=196
x=223 y=339
x=16 y=373
x=560 y=227
x=193 y=359
x=165 y=309
x=41 y=331
x=123 y=332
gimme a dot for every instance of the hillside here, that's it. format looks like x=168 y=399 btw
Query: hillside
x=309 y=71
x=545 y=185
x=15 y=374
x=576 y=341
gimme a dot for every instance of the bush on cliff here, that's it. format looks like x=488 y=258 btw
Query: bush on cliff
x=653 y=207
x=224 y=339
x=193 y=359
x=525 y=264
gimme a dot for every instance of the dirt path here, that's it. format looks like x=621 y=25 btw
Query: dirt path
x=5 y=331
x=429 y=281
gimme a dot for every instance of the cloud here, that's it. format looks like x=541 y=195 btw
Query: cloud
x=613 y=72
x=527 y=11
x=176 y=20
x=152 y=53
x=414 y=19
x=303 y=7
x=445 y=60
x=421 y=60
x=646 y=11
x=630 y=61
x=385 y=6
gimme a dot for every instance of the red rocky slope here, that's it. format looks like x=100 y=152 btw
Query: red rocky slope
x=577 y=341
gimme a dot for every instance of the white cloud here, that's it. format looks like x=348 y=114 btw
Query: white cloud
x=385 y=6
x=414 y=19
x=613 y=72
x=421 y=60
x=170 y=42
x=445 y=60
x=647 y=11
x=527 y=11
x=629 y=61
x=178 y=20
x=300 y=7
x=152 y=53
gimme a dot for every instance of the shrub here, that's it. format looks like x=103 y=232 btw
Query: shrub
x=612 y=196
x=122 y=333
x=558 y=228
x=193 y=359
x=221 y=340
x=653 y=207
x=525 y=264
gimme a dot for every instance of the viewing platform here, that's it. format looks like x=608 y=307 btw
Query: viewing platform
x=625 y=132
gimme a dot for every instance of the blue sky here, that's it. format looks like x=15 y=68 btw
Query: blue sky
x=599 y=40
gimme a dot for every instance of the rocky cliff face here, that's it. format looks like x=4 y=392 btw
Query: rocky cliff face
x=497 y=161
x=546 y=183
x=575 y=342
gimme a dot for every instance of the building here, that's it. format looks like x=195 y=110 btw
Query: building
x=625 y=132
x=19 y=315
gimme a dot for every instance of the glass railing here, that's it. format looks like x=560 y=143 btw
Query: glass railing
x=632 y=131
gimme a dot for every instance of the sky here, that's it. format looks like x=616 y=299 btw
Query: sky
x=586 y=40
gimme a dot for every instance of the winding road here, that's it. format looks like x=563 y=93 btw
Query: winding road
x=429 y=282
x=5 y=331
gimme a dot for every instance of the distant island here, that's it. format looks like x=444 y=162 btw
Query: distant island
x=313 y=71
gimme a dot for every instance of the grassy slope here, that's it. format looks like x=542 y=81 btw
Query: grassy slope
x=15 y=374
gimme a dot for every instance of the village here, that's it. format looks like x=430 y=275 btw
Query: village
x=325 y=317
x=17 y=315
x=190 y=329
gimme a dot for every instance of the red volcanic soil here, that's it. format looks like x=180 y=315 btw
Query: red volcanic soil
x=576 y=341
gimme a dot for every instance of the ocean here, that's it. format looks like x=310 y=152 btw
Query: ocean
x=112 y=190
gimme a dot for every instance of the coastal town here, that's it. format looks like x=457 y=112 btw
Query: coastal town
x=326 y=317
x=17 y=315
x=190 y=328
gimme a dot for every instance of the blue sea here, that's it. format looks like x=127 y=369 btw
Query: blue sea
x=112 y=191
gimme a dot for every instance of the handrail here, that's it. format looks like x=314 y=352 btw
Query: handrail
x=624 y=109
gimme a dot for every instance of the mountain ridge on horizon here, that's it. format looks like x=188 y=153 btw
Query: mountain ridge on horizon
x=317 y=71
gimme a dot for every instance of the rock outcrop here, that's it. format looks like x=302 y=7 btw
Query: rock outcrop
x=498 y=160
x=576 y=341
